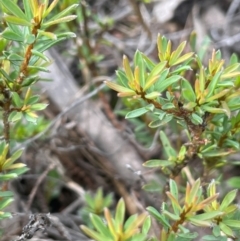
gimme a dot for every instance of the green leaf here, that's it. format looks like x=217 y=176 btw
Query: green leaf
x=3 y=44
x=44 y=45
x=30 y=118
x=13 y=8
x=213 y=84
x=154 y=75
x=216 y=153
x=108 y=200
x=65 y=35
x=216 y=231
x=153 y=95
x=202 y=80
x=146 y=225
x=99 y=225
x=136 y=113
x=213 y=109
x=15 y=57
x=233 y=59
x=119 y=88
x=186 y=236
x=5 y=215
x=138 y=237
x=231 y=68
x=16 y=155
x=129 y=222
x=6 y=194
x=30 y=80
x=64 y=12
x=16 y=99
x=201 y=223
x=170 y=151
x=164 y=121
x=49 y=35
x=232 y=223
x=27 y=10
x=89 y=200
x=168 y=106
x=40 y=55
x=181 y=69
x=60 y=20
x=17 y=21
x=158 y=68
x=7 y=77
x=14 y=166
x=133 y=226
x=138 y=60
x=203 y=48
x=226 y=83
x=10 y=35
x=225 y=106
x=213 y=238
x=218 y=95
x=162 y=77
x=120 y=214
x=187 y=91
x=5 y=202
x=172 y=237
x=19 y=171
x=172 y=216
x=183 y=58
x=182 y=153
x=175 y=204
x=208 y=215
x=232 y=144
x=228 y=231
x=197 y=119
x=193 y=40
x=94 y=235
x=189 y=106
x=194 y=191
x=15 y=116
x=175 y=54
x=50 y=8
x=173 y=188
x=234 y=182
x=32 y=100
x=39 y=106
x=149 y=63
x=6 y=177
x=122 y=78
x=164 y=84
x=152 y=187
x=230 y=75
x=159 y=217
x=2 y=147
x=228 y=199
x=158 y=163
x=98 y=200
x=37 y=68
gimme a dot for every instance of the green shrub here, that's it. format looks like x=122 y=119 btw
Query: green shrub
x=206 y=106
x=23 y=40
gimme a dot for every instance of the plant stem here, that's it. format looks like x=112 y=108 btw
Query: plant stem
x=6 y=112
x=28 y=54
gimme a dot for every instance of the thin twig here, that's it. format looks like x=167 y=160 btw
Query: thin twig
x=39 y=181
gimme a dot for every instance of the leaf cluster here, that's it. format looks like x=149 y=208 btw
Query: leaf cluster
x=23 y=40
x=116 y=228
x=202 y=99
